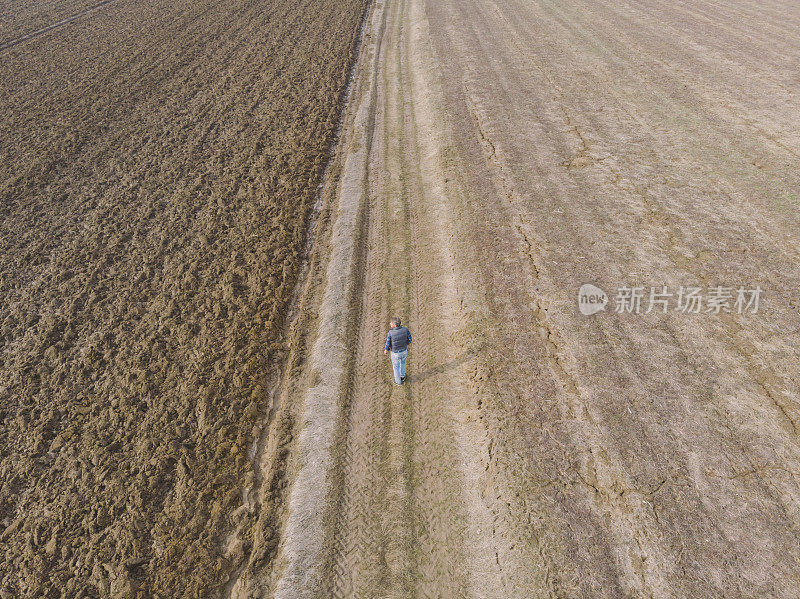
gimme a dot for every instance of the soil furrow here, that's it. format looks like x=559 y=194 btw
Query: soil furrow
x=34 y=34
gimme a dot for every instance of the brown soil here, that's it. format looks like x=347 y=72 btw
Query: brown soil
x=494 y=157
x=159 y=163
x=22 y=18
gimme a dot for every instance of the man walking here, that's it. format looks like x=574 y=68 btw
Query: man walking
x=397 y=342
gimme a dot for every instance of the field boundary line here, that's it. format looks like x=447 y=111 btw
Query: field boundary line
x=268 y=450
x=329 y=361
x=65 y=21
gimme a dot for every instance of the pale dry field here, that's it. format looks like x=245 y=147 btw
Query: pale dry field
x=496 y=156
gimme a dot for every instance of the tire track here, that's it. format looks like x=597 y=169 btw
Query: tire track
x=370 y=557
x=401 y=471
x=401 y=530
x=357 y=539
x=39 y=32
x=308 y=536
x=412 y=518
x=443 y=542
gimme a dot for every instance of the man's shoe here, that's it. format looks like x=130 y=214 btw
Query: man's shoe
x=402 y=380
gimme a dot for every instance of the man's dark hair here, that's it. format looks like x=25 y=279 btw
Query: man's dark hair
x=395 y=321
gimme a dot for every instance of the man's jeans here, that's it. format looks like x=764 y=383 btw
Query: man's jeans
x=399 y=364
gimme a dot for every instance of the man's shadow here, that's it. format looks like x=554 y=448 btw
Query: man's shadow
x=447 y=366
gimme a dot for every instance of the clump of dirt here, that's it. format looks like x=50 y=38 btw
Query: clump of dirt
x=158 y=166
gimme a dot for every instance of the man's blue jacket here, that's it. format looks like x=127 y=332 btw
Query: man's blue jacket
x=398 y=339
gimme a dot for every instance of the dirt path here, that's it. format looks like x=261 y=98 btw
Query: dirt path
x=496 y=156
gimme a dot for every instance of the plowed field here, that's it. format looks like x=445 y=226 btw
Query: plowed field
x=159 y=164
